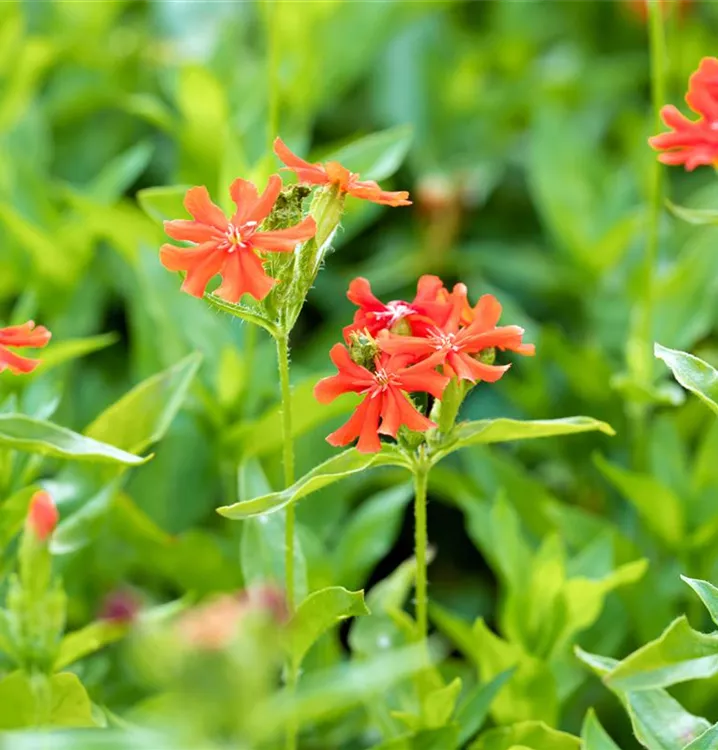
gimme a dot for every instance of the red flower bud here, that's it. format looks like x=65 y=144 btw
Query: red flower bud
x=42 y=516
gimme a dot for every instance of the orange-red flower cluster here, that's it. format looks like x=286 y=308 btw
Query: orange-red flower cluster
x=234 y=247
x=693 y=142
x=399 y=347
x=18 y=337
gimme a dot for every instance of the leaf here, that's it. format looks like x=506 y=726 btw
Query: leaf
x=163 y=203
x=445 y=738
x=594 y=736
x=376 y=156
x=438 y=705
x=708 y=594
x=706 y=741
x=369 y=534
x=69 y=703
x=505 y=430
x=659 y=721
x=336 y=468
x=473 y=710
x=320 y=611
x=678 y=655
x=692 y=373
x=532 y=734
x=87 y=640
x=119 y=175
x=143 y=416
x=659 y=507
x=22 y=433
x=264 y=435
x=693 y=215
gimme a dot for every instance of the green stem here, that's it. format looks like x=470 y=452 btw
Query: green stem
x=288 y=456
x=421 y=475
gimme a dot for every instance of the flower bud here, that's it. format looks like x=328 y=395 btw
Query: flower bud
x=486 y=356
x=120 y=606
x=363 y=349
x=42 y=516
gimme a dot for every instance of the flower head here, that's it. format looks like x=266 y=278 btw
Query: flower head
x=42 y=515
x=386 y=406
x=333 y=173
x=228 y=246
x=467 y=332
x=374 y=315
x=18 y=337
x=693 y=142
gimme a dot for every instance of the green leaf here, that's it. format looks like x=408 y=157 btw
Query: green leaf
x=445 y=738
x=69 y=704
x=708 y=594
x=163 y=203
x=692 y=373
x=659 y=507
x=693 y=215
x=251 y=315
x=376 y=156
x=117 y=176
x=264 y=435
x=320 y=611
x=13 y=512
x=473 y=710
x=658 y=719
x=143 y=416
x=594 y=736
x=706 y=741
x=505 y=430
x=532 y=734
x=87 y=640
x=678 y=655
x=22 y=433
x=369 y=534
x=336 y=468
x=438 y=705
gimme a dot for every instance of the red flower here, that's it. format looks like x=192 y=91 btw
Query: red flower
x=333 y=173
x=374 y=316
x=386 y=400
x=42 y=516
x=455 y=345
x=21 y=336
x=228 y=247
x=693 y=142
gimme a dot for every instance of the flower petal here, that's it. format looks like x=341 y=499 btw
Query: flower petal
x=243 y=273
x=200 y=206
x=285 y=240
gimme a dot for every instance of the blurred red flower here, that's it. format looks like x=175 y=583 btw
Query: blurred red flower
x=693 y=142
x=18 y=337
x=42 y=515
x=229 y=247
x=386 y=406
x=333 y=173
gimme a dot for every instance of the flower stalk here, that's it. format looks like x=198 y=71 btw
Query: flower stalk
x=421 y=598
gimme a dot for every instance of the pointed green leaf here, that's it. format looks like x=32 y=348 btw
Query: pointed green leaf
x=678 y=655
x=87 y=640
x=659 y=507
x=163 y=203
x=692 y=373
x=698 y=216
x=594 y=736
x=708 y=594
x=438 y=705
x=506 y=430
x=22 y=433
x=445 y=738
x=533 y=734
x=473 y=710
x=317 y=613
x=143 y=416
x=336 y=468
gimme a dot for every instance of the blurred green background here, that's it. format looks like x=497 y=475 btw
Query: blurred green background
x=520 y=129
